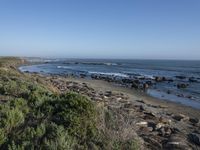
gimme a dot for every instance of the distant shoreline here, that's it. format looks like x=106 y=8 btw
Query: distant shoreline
x=141 y=82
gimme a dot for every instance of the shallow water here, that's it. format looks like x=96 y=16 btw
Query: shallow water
x=147 y=69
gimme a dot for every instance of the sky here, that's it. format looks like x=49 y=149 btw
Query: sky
x=126 y=29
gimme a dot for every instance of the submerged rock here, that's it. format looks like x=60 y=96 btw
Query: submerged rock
x=182 y=85
x=180 y=77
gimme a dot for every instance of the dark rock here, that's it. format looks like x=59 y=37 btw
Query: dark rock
x=159 y=79
x=165 y=131
x=153 y=143
x=168 y=92
x=149 y=114
x=180 y=117
x=192 y=79
x=145 y=86
x=142 y=108
x=164 y=120
x=177 y=142
x=194 y=120
x=137 y=81
x=127 y=81
x=149 y=82
x=135 y=85
x=195 y=138
x=180 y=77
x=129 y=105
x=108 y=93
x=180 y=95
x=182 y=85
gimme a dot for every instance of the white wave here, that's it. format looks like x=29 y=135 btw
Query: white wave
x=109 y=74
x=63 y=67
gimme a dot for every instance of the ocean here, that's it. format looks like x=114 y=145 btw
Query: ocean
x=175 y=73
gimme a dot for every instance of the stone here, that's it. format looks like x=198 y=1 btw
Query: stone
x=194 y=120
x=165 y=131
x=182 y=85
x=177 y=142
x=180 y=117
x=129 y=105
x=195 y=138
x=159 y=125
x=165 y=120
x=149 y=115
x=135 y=85
x=108 y=93
x=192 y=79
x=169 y=92
x=142 y=108
x=180 y=77
x=160 y=79
x=142 y=123
x=153 y=143
x=145 y=86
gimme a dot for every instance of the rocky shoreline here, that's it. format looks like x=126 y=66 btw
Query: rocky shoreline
x=154 y=125
x=165 y=86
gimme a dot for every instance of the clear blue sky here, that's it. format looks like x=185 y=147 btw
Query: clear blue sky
x=148 y=29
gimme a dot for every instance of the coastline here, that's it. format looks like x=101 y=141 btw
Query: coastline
x=156 y=124
x=153 y=123
x=139 y=95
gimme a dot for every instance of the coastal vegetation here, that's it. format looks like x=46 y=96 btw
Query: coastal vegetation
x=34 y=115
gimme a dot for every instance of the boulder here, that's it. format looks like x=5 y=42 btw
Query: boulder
x=159 y=79
x=180 y=77
x=182 y=85
x=145 y=86
x=181 y=117
x=195 y=138
x=142 y=123
x=165 y=131
x=194 y=120
x=177 y=142
x=192 y=79
x=135 y=85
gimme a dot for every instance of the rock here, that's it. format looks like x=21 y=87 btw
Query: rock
x=165 y=120
x=180 y=77
x=182 y=85
x=142 y=108
x=177 y=142
x=129 y=105
x=145 y=86
x=108 y=93
x=165 y=131
x=135 y=85
x=145 y=130
x=192 y=79
x=159 y=79
x=149 y=82
x=153 y=143
x=194 y=120
x=195 y=138
x=181 y=117
x=159 y=125
x=143 y=123
x=141 y=101
x=169 y=92
x=150 y=114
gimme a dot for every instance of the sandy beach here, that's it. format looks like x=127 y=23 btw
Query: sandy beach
x=135 y=95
